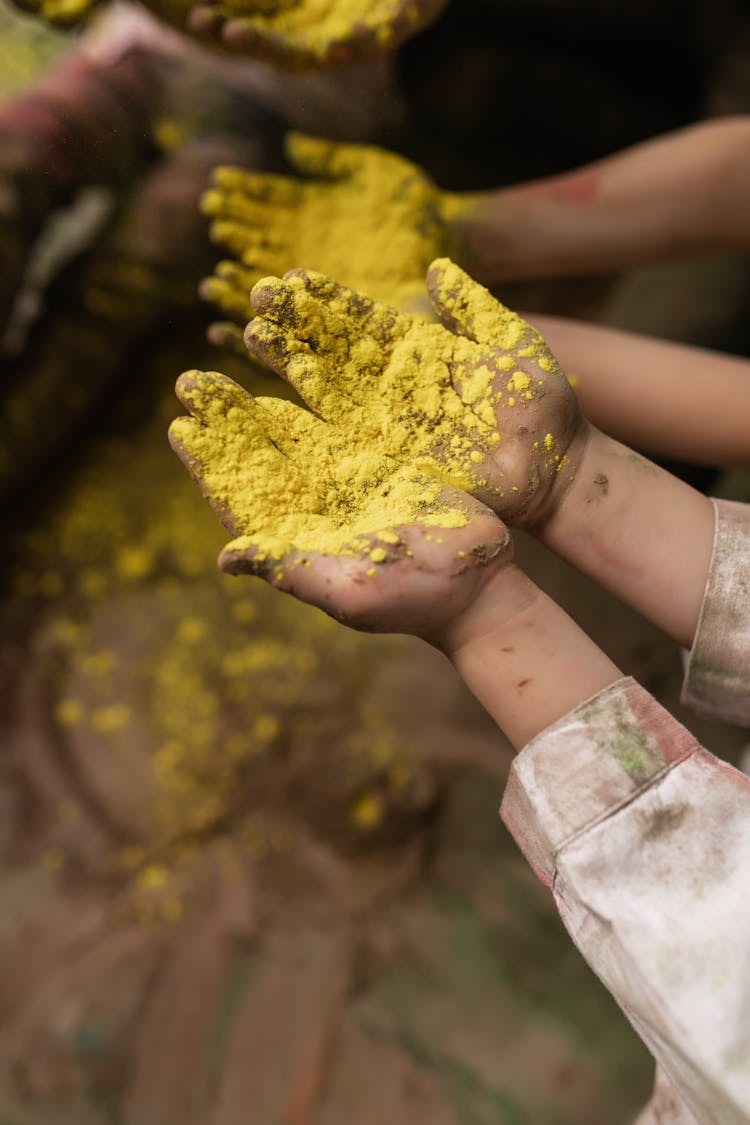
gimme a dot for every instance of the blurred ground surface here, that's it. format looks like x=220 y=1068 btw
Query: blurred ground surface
x=252 y=870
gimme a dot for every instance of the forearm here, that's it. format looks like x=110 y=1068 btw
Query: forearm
x=88 y=121
x=667 y=399
x=523 y=658
x=681 y=194
x=638 y=531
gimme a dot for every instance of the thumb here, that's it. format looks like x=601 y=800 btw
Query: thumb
x=314 y=156
x=467 y=308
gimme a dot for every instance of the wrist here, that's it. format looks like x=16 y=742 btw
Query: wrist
x=633 y=527
x=476 y=238
x=523 y=658
x=506 y=594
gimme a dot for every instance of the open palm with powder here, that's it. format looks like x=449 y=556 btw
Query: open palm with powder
x=476 y=401
x=367 y=217
x=373 y=541
x=413 y=434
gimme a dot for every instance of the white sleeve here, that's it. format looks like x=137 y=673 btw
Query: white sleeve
x=644 y=838
x=717 y=678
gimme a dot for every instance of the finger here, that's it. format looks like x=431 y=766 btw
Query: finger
x=308 y=375
x=226 y=450
x=323 y=159
x=229 y=288
x=210 y=396
x=324 y=326
x=467 y=308
x=247 y=242
x=271 y=345
x=264 y=187
x=384 y=322
x=236 y=207
x=250 y=555
x=225 y=334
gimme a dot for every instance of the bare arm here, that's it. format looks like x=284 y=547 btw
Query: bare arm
x=667 y=399
x=522 y=657
x=638 y=531
x=683 y=194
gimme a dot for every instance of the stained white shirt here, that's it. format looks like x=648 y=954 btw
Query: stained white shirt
x=644 y=839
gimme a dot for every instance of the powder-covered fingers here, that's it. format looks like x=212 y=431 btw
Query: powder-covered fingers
x=209 y=395
x=323 y=159
x=262 y=187
x=271 y=345
x=227 y=449
x=314 y=380
x=466 y=307
x=235 y=207
x=304 y=319
x=252 y=244
x=383 y=322
x=230 y=288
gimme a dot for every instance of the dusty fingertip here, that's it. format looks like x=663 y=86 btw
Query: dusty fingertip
x=186 y=385
x=443 y=272
x=223 y=175
x=264 y=292
x=258 y=332
x=180 y=435
x=241 y=556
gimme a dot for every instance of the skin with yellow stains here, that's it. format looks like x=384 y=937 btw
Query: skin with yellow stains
x=365 y=216
x=414 y=433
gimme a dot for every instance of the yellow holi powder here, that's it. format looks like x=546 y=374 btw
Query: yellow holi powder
x=549 y=442
x=367 y=811
x=152 y=877
x=134 y=562
x=102 y=662
x=519 y=380
x=69 y=712
x=266 y=727
x=53 y=858
x=378 y=555
x=107 y=720
x=222 y=683
x=171 y=909
x=191 y=630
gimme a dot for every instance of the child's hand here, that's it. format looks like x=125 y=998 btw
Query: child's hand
x=366 y=217
x=488 y=412
x=303 y=35
x=324 y=515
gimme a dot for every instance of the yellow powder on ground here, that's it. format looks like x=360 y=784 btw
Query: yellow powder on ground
x=205 y=685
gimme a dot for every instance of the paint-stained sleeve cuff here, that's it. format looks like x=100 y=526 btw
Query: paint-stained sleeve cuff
x=585 y=767
x=717 y=679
